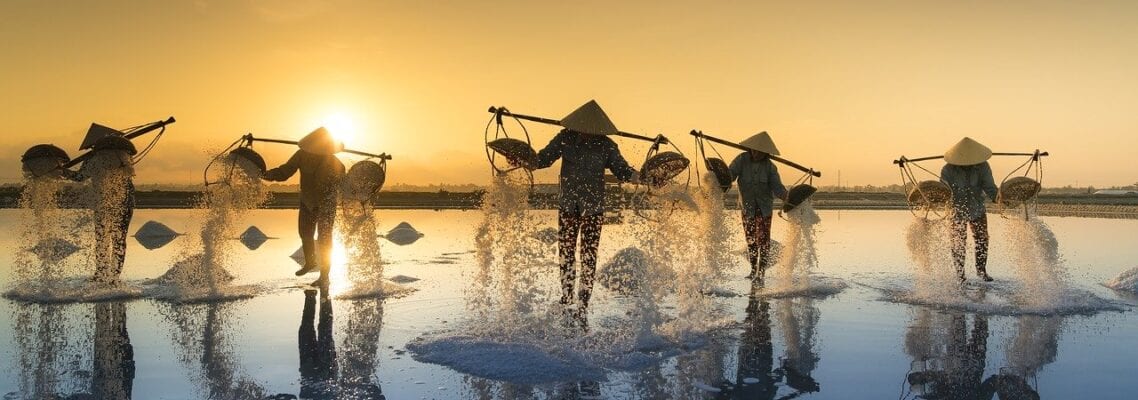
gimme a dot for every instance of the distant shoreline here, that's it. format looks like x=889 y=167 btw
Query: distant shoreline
x=1084 y=205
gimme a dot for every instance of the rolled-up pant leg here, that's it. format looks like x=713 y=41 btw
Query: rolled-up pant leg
x=763 y=234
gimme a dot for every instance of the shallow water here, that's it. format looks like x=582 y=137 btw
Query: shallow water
x=850 y=345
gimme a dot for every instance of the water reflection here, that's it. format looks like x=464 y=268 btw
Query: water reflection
x=322 y=376
x=200 y=333
x=757 y=376
x=54 y=359
x=949 y=358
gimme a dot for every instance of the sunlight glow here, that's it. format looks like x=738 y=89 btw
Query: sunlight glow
x=342 y=126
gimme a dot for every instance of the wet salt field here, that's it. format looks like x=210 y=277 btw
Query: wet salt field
x=856 y=344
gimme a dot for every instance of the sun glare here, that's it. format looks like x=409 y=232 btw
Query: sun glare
x=341 y=126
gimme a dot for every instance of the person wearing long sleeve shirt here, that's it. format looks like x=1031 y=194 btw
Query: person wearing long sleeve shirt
x=969 y=176
x=320 y=174
x=759 y=185
x=585 y=153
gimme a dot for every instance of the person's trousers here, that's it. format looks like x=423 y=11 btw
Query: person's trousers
x=757 y=229
x=588 y=227
x=110 y=241
x=959 y=239
x=315 y=228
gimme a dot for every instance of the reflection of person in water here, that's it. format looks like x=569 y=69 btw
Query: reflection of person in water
x=113 y=375
x=756 y=355
x=963 y=360
x=319 y=370
x=317 y=349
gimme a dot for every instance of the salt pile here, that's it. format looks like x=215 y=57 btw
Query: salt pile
x=1127 y=280
x=253 y=238
x=403 y=234
x=154 y=235
x=625 y=271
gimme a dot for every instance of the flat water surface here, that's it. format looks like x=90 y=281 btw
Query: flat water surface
x=853 y=345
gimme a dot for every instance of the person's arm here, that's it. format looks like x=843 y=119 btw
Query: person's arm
x=778 y=190
x=987 y=183
x=285 y=171
x=946 y=174
x=618 y=165
x=552 y=151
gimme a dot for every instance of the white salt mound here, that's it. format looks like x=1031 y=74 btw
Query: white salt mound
x=253 y=238
x=298 y=255
x=53 y=249
x=403 y=234
x=154 y=229
x=1127 y=280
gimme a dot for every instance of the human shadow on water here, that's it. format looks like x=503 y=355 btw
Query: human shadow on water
x=949 y=358
x=321 y=374
x=757 y=376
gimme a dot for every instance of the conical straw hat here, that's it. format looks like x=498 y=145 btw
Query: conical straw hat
x=967 y=152
x=320 y=141
x=589 y=118
x=762 y=142
x=96 y=132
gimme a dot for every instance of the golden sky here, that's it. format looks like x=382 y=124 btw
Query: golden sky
x=840 y=85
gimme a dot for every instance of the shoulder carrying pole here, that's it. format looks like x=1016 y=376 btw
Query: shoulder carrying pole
x=139 y=132
x=250 y=139
x=500 y=111
x=789 y=163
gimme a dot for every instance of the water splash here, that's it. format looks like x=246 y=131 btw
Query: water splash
x=714 y=235
x=511 y=289
x=793 y=274
x=201 y=270
x=928 y=243
x=1039 y=268
x=47 y=233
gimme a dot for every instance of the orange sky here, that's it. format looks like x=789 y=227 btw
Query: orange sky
x=842 y=85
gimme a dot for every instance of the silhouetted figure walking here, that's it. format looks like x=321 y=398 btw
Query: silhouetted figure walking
x=969 y=176
x=759 y=185
x=585 y=153
x=320 y=174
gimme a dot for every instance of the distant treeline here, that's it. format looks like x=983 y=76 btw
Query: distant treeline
x=542 y=198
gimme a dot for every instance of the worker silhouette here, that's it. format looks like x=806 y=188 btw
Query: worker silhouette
x=969 y=176
x=585 y=152
x=320 y=175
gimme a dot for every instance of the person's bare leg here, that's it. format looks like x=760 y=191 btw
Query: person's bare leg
x=980 y=236
x=590 y=240
x=306 y=228
x=750 y=227
x=569 y=225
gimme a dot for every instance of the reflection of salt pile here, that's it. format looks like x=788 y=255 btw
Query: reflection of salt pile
x=928 y=248
x=506 y=293
x=1127 y=280
x=1038 y=265
x=202 y=271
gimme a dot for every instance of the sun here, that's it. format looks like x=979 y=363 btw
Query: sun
x=342 y=127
